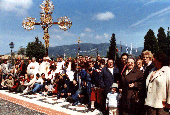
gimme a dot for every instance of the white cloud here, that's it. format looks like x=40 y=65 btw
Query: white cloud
x=98 y=37
x=82 y=34
x=88 y=30
x=105 y=16
x=152 y=1
x=63 y=33
x=165 y=10
x=106 y=35
x=58 y=37
x=18 y=6
x=87 y=33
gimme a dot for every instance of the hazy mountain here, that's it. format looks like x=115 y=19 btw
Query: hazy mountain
x=88 y=49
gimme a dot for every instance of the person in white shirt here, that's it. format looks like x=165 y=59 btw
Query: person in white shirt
x=69 y=71
x=29 y=84
x=60 y=64
x=44 y=66
x=5 y=70
x=51 y=73
x=38 y=84
x=112 y=100
x=33 y=67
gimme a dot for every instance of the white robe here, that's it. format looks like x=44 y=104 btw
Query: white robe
x=70 y=75
x=44 y=68
x=33 y=71
x=60 y=65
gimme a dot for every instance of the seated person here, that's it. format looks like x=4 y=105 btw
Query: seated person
x=62 y=87
x=21 y=85
x=63 y=92
x=55 y=90
x=79 y=95
x=38 y=83
x=15 y=86
x=8 y=83
x=66 y=79
x=30 y=84
x=48 y=89
x=73 y=87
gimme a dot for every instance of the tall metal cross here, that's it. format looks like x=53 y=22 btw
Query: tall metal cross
x=47 y=21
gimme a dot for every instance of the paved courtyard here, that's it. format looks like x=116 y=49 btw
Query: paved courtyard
x=18 y=104
x=10 y=108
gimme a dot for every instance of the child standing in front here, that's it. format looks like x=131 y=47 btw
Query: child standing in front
x=112 y=100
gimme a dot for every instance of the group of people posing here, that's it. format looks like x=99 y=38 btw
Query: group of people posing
x=127 y=86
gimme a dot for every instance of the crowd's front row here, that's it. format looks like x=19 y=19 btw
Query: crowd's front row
x=127 y=86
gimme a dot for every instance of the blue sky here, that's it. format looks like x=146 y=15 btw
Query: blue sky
x=94 y=21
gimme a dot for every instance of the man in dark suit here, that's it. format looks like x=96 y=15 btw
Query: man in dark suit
x=108 y=76
x=23 y=68
x=121 y=63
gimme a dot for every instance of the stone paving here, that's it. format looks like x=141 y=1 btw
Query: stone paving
x=51 y=103
x=9 y=108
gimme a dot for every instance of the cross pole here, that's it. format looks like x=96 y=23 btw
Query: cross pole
x=46 y=21
x=78 y=43
x=78 y=77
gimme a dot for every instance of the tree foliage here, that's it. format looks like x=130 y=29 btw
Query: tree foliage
x=35 y=49
x=112 y=53
x=162 y=40
x=161 y=43
x=168 y=45
x=150 y=42
x=21 y=51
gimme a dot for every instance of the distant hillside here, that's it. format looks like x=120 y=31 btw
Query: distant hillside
x=88 y=49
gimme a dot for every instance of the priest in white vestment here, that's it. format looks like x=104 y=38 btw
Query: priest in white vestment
x=33 y=67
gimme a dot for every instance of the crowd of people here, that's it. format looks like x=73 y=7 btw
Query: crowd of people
x=126 y=86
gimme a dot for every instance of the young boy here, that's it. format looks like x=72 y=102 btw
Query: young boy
x=112 y=100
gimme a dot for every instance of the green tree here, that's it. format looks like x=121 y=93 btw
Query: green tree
x=168 y=47
x=35 y=49
x=150 y=42
x=112 y=53
x=21 y=51
x=162 y=40
x=168 y=39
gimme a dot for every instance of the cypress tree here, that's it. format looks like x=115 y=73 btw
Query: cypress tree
x=150 y=42
x=162 y=40
x=168 y=47
x=112 y=53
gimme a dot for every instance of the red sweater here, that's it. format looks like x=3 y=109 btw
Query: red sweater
x=56 y=90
